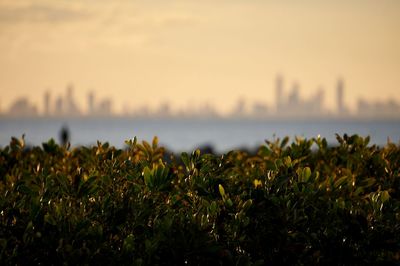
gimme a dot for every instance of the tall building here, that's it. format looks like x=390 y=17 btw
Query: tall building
x=279 y=93
x=341 y=109
x=69 y=102
x=47 y=103
x=59 y=106
x=294 y=96
x=317 y=101
x=91 y=107
x=70 y=108
x=104 y=108
x=260 y=110
x=22 y=108
x=388 y=109
x=240 y=108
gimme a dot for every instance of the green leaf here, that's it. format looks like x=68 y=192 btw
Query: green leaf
x=284 y=142
x=368 y=182
x=213 y=208
x=288 y=161
x=385 y=196
x=147 y=146
x=48 y=218
x=155 y=142
x=340 y=181
x=358 y=191
x=229 y=202
x=147 y=173
x=279 y=163
x=306 y=174
x=24 y=189
x=221 y=191
x=185 y=159
x=247 y=204
x=129 y=243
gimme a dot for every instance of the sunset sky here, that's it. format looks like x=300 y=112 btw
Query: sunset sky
x=188 y=52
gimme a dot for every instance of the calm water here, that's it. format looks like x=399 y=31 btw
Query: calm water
x=180 y=135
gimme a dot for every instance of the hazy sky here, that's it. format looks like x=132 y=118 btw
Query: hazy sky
x=187 y=52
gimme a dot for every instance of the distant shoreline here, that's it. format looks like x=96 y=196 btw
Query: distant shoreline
x=188 y=133
x=208 y=119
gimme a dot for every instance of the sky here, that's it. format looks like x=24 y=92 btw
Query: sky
x=187 y=52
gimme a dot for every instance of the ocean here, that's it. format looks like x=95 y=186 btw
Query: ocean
x=188 y=134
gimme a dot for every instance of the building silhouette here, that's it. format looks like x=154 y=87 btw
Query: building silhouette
x=239 y=111
x=59 y=107
x=22 y=108
x=378 y=110
x=294 y=103
x=342 y=110
x=46 y=100
x=260 y=110
x=289 y=104
x=318 y=100
x=104 y=108
x=71 y=109
x=293 y=106
x=91 y=103
x=279 y=94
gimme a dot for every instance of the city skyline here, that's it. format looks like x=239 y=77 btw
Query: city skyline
x=196 y=52
x=289 y=103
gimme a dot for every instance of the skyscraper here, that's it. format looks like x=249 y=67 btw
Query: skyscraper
x=91 y=109
x=341 y=109
x=279 y=93
x=47 y=103
x=59 y=107
x=70 y=107
x=69 y=102
x=294 y=96
x=22 y=108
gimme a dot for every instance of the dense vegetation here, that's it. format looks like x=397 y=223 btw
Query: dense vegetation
x=290 y=203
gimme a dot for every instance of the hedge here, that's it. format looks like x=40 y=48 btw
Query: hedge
x=293 y=202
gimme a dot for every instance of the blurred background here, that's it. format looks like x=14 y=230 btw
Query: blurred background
x=223 y=73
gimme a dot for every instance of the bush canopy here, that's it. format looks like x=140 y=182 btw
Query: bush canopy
x=291 y=202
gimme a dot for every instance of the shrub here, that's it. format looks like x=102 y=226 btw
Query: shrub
x=289 y=203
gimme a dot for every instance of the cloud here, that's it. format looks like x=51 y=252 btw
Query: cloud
x=48 y=26
x=40 y=13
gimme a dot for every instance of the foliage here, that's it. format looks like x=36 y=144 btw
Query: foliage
x=290 y=203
